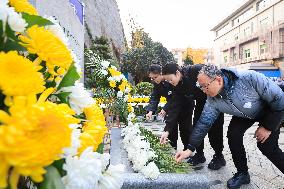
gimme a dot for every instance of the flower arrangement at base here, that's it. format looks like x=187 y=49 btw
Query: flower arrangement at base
x=50 y=126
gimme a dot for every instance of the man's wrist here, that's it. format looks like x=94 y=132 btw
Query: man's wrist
x=192 y=149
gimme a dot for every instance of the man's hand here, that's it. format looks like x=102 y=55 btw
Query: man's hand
x=164 y=137
x=262 y=134
x=162 y=113
x=182 y=155
x=149 y=115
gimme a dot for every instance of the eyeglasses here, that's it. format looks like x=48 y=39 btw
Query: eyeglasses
x=204 y=87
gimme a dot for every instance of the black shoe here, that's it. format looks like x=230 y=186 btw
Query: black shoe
x=196 y=159
x=238 y=180
x=217 y=162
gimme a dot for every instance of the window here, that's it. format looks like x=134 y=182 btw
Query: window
x=247 y=53
x=247 y=31
x=225 y=59
x=264 y=22
x=262 y=4
x=262 y=48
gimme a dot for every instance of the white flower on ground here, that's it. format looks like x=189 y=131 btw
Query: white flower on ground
x=83 y=172
x=104 y=72
x=75 y=141
x=119 y=94
x=112 y=178
x=79 y=97
x=105 y=64
x=151 y=171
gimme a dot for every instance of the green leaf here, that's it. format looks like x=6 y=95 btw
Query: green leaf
x=52 y=179
x=36 y=20
x=100 y=148
x=70 y=77
x=12 y=45
x=63 y=97
x=59 y=166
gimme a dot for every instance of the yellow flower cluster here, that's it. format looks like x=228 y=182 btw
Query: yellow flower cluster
x=19 y=76
x=144 y=99
x=114 y=72
x=138 y=99
x=124 y=85
x=94 y=129
x=23 y=6
x=130 y=108
x=32 y=136
x=112 y=83
x=49 y=48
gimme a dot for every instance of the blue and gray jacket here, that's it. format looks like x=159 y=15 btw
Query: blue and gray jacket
x=246 y=94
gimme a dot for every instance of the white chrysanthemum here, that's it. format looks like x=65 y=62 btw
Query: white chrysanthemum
x=16 y=22
x=112 y=178
x=57 y=30
x=104 y=72
x=111 y=79
x=151 y=171
x=75 y=141
x=119 y=94
x=79 y=97
x=83 y=172
x=105 y=64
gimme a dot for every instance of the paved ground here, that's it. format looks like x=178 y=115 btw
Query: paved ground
x=264 y=175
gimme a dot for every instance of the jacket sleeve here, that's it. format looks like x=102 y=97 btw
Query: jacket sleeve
x=206 y=120
x=173 y=111
x=273 y=95
x=154 y=100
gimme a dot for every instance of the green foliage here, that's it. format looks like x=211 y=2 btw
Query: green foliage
x=52 y=179
x=144 y=52
x=101 y=47
x=165 y=161
x=188 y=60
x=143 y=89
x=119 y=107
x=36 y=20
x=70 y=77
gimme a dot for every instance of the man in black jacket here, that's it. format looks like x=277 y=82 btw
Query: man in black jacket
x=161 y=88
x=184 y=82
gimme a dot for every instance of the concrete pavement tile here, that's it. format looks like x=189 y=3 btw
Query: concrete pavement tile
x=261 y=183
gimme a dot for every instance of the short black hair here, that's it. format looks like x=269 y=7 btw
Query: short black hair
x=171 y=68
x=155 y=69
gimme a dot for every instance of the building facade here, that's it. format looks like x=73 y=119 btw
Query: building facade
x=251 y=35
x=178 y=55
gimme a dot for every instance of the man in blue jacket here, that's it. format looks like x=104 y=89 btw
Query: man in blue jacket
x=250 y=97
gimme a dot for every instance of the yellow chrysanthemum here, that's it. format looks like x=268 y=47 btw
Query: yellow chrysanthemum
x=94 y=129
x=123 y=85
x=19 y=76
x=23 y=6
x=112 y=83
x=163 y=99
x=48 y=47
x=114 y=72
x=130 y=108
x=32 y=137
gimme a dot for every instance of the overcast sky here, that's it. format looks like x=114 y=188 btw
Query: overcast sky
x=178 y=23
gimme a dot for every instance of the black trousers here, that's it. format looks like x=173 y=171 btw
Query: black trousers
x=215 y=133
x=269 y=148
x=184 y=125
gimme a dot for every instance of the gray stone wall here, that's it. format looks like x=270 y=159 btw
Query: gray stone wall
x=64 y=13
x=102 y=18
